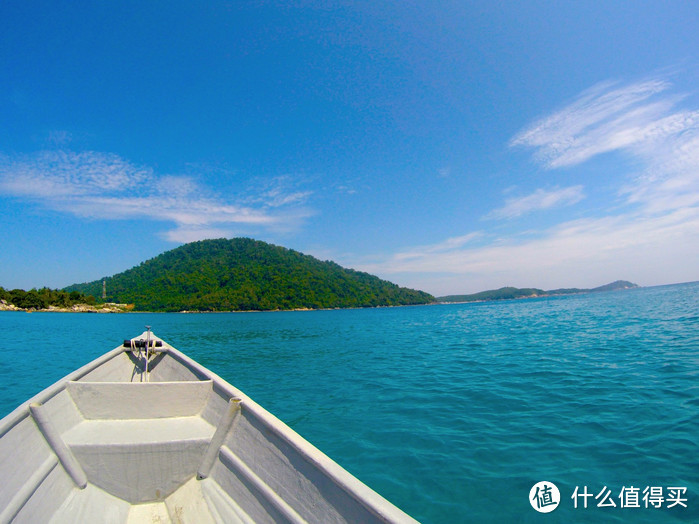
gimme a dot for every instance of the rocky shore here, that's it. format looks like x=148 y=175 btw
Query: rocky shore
x=77 y=308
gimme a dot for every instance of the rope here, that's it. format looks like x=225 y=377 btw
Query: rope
x=147 y=351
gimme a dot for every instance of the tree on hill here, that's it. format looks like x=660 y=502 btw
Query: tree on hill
x=43 y=298
x=243 y=275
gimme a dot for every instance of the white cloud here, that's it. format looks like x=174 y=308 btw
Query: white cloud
x=279 y=199
x=104 y=186
x=444 y=172
x=52 y=175
x=177 y=186
x=346 y=190
x=538 y=200
x=604 y=118
x=649 y=250
x=280 y=191
x=60 y=138
x=641 y=120
x=653 y=237
x=448 y=245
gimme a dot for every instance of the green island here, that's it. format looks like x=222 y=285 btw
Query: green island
x=510 y=293
x=242 y=274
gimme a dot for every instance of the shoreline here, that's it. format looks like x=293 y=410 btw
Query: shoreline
x=128 y=308
x=77 y=308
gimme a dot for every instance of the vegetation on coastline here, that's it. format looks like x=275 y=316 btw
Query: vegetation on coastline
x=46 y=299
x=509 y=293
x=242 y=274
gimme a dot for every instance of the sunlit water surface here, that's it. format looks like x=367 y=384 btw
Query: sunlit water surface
x=452 y=412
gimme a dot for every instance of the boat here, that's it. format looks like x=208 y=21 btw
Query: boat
x=146 y=434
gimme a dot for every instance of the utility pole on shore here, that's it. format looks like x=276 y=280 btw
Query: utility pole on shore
x=104 y=289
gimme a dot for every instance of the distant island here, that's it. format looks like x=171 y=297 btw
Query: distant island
x=243 y=274
x=510 y=293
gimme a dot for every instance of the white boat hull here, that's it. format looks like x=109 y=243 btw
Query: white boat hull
x=113 y=443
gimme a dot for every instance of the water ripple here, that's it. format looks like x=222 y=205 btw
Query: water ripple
x=452 y=412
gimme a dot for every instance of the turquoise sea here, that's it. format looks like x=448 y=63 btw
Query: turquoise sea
x=452 y=412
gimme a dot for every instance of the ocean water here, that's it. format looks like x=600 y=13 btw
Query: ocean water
x=452 y=412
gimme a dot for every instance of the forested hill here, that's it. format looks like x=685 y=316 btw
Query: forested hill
x=509 y=293
x=245 y=275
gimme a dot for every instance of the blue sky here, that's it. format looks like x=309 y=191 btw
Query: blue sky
x=448 y=146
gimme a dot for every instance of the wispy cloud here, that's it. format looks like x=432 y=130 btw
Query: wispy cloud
x=605 y=118
x=280 y=191
x=101 y=185
x=538 y=200
x=448 y=245
x=60 y=175
x=652 y=237
x=642 y=120
x=60 y=138
x=650 y=250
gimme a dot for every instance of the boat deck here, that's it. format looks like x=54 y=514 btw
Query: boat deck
x=112 y=443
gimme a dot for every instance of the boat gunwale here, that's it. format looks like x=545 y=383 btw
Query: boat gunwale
x=375 y=503
x=22 y=411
